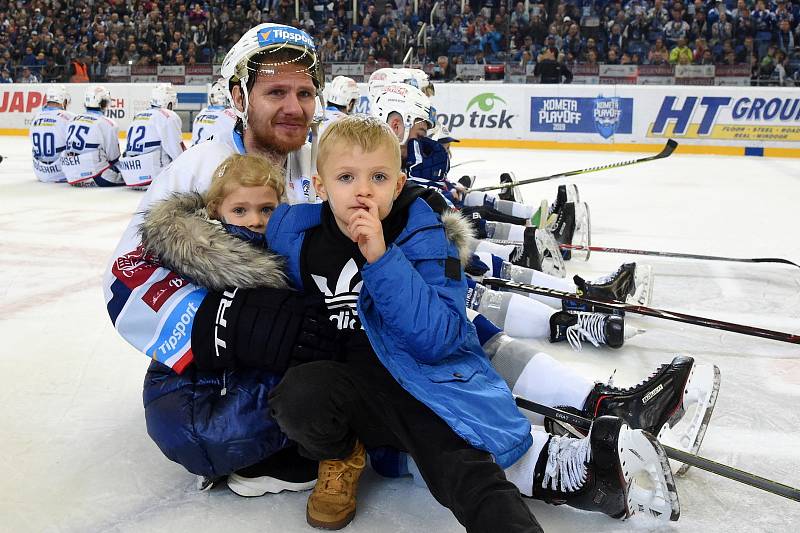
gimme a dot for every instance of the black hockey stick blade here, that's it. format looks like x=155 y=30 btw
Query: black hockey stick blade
x=648 y=311
x=679 y=255
x=665 y=152
x=697 y=461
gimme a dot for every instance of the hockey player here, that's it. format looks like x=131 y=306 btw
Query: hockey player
x=48 y=134
x=272 y=77
x=92 y=146
x=216 y=120
x=154 y=139
x=341 y=97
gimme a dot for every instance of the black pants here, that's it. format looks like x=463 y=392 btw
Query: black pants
x=325 y=405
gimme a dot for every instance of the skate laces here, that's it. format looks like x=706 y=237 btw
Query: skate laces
x=590 y=326
x=567 y=458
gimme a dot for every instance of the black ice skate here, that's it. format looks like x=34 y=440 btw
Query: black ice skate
x=539 y=251
x=597 y=328
x=615 y=470
x=511 y=193
x=564 y=227
x=617 y=286
x=675 y=403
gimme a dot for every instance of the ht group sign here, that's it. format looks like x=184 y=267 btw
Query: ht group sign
x=761 y=118
x=604 y=116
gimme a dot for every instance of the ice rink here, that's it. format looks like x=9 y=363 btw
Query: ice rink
x=75 y=455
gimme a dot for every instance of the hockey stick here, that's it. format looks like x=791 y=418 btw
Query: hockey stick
x=647 y=311
x=467 y=162
x=702 y=463
x=665 y=152
x=679 y=255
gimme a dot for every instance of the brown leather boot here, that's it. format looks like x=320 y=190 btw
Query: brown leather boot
x=332 y=504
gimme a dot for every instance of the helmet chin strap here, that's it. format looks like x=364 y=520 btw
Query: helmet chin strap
x=246 y=102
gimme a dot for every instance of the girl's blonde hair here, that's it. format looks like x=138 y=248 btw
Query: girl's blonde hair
x=239 y=170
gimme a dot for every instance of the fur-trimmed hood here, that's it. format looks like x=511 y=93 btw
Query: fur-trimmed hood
x=460 y=232
x=178 y=231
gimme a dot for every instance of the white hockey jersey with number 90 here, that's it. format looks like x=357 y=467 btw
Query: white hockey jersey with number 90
x=48 y=135
x=153 y=141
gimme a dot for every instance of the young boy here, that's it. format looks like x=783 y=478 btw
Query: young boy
x=412 y=374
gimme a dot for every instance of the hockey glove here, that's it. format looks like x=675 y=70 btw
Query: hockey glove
x=272 y=329
x=428 y=163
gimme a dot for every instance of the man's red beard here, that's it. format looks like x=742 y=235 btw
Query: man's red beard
x=278 y=144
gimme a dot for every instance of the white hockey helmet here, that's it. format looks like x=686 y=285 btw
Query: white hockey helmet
x=341 y=91
x=218 y=95
x=163 y=95
x=419 y=79
x=380 y=79
x=96 y=97
x=269 y=38
x=406 y=100
x=57 y=94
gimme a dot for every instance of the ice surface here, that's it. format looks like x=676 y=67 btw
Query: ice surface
x=75 y=456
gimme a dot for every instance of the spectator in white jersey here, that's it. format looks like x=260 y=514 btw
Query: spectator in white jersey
x=154 y=139
x=48 y=134
x=216 y=120
x=92 y=147
x=340 y=100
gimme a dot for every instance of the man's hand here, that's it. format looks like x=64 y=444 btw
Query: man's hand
x=365 y=229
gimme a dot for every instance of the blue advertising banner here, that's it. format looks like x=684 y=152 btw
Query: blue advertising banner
x=602 y=115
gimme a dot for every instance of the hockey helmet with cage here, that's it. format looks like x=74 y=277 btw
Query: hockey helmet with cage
x=419 y=79
x=265 y=39
x=342 y=91
x=217 y=95
x=96 y=97
x=163 y=95
x=57 y=94
x=409 y=102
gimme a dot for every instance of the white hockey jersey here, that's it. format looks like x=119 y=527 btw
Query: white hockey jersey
x=48 y=135
x=331 y=115
x=150 y=306
x=92 y=150
x=153 y=141
x=213 y=121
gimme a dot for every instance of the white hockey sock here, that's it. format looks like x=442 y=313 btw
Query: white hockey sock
x=521 y=472
x=548 y=382
x=500 y=250
x=540 y=279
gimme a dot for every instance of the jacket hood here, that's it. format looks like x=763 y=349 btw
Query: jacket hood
x=460 y=232
x=178 y=231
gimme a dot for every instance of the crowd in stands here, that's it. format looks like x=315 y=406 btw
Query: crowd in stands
x=65 y=40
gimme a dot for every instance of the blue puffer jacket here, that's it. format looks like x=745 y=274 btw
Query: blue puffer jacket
x=210 y=432
x=415 y=318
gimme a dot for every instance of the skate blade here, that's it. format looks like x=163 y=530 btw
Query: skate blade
x=647 y=475
x=552 y=262
x=643 y=281
x=583 y=231
x=699 y=400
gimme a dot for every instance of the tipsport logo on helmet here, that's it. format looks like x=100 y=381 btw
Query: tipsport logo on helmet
x=272 y=36
x=484 y=111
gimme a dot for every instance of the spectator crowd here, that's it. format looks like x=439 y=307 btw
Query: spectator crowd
x=64 y=40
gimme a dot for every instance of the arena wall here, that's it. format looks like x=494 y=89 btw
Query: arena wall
x=703 y=119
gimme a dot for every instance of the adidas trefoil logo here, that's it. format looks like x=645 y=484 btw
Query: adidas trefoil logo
x=343 y=301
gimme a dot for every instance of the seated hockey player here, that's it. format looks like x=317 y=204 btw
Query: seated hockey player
x=341 y=96
x=92 y=146
x=154 y=139
x=215 y=120
x=48 y=134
